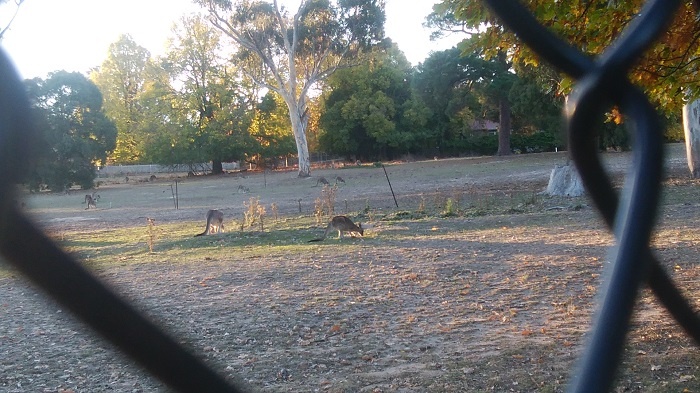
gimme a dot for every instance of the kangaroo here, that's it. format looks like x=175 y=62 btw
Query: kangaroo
x=243 y=189
x=322 y=180
x=341 y=224
x=215 y=223
x=339 y=179
x=91 y=200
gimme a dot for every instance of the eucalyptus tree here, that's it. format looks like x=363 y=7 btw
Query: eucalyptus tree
x=76 y=134
x=121 y=79
x=289 y=54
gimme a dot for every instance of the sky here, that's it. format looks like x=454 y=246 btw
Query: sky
x=74 y=35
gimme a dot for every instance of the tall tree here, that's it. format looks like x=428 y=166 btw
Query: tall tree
x=197 y=109
x=372 y=112
x=463 y=88
x=499 y=81
x=121 y=79
x=290 y=54
x=196 y=62
x=77 y=134
x=668 y=71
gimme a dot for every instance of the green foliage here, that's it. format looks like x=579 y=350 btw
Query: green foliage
x=536 y=142
x=673 y=126
x=664 y=70
x=535 y=103
x=271 y=131
x=371 y=111
x=121 y=79
x=289 y=54
x=614 y=136
x=462 y=89
x=76 y=132
x=475 y=144
x=196 y=108
x=451 y=208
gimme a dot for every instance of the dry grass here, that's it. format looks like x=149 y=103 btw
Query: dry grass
x=474 y=285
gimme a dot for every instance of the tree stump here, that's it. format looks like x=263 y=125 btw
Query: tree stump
x=565 y=181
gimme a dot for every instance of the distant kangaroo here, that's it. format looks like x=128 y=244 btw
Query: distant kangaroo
x=91 y=200
x=215 y=223
x=339 y=179
x=322 y=180
x=341 y=224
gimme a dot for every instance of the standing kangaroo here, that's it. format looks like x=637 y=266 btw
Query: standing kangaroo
x=91 y=200
x=341 y=224
x=215 y=223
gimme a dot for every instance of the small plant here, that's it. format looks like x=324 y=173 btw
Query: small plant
x=367 y=207
x=275 y=211
x=253 y=212
x=261 y=215
x=325 y=204
x=328 y=197
x=451 y=208
x=421 y=206
x=318 y=210
x=151 y=225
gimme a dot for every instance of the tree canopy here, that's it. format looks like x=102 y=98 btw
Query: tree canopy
x=76 y=133
x=121 y=79
x=665 y=71
x=371 y=110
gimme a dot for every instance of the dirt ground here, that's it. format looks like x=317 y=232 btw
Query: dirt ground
x=497 y=300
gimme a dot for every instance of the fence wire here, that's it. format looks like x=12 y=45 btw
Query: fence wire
x=602 y=82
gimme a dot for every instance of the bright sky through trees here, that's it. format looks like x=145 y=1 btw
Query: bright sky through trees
x=74 y=35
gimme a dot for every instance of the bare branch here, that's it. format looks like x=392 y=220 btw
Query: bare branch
x=18 y=3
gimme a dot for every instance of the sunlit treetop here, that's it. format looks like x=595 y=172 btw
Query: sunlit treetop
x=666 y=71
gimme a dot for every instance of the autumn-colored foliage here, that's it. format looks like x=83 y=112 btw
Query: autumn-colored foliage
x=665 y=72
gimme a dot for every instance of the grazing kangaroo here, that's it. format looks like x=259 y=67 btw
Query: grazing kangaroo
x=341 y=224
x=322 y=180
x=243 y=189
x=215 y=223
x=339 y=179
x=91 y=200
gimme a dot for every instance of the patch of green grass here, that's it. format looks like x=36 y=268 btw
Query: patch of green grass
x=176 y=243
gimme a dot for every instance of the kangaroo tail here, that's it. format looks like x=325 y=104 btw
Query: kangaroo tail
x=200 y=234
x=315 y=240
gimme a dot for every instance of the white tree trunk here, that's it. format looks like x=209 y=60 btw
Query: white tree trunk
x=565 y=181
x=691 y=127
x=299 y=130
x=297 y=118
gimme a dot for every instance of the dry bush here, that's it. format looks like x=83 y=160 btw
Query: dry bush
x=253 y=213
x=325 y=203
